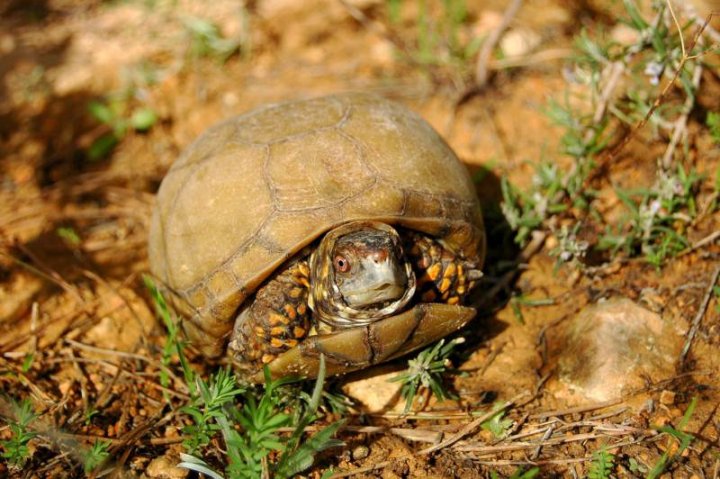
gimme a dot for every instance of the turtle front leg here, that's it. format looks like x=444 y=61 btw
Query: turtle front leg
x=442 y=275
x=274 y=321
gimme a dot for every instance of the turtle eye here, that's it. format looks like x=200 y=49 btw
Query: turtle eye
x=341 y=264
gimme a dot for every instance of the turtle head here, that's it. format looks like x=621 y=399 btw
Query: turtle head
x=359 y=274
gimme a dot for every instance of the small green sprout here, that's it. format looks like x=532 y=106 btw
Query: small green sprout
x=684 y=439
x=602 y=464
x=206 y=40
x=519 y=473
x=69 y=235
x=713 y=123
x=207 y=405
x=498 y=426
x=174 y=345
x=15 y=449
x=116 y=112
x=96 y=456
x=427 y=371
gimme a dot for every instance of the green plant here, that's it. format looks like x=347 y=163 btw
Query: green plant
x=713 y=123
x=602 y=464
x=498 y=426
x=658 y=218
x=206 y=40
x=252 y=433
x=69 y=235
x=518 y=301
x=174 y=345
x=427 y=371
x=684 y=439
x=116 y=112
x=95 y=456
x=15 y=449
x=519 y=473
x=439 y=38
x=570 y=248
x=207 y=406
x=594 y=114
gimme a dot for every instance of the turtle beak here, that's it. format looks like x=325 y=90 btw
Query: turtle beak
x=383 y=280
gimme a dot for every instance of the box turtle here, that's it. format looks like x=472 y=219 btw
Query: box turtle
x=341 y=225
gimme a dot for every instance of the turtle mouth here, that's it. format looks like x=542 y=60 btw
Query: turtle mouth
x=383 y=282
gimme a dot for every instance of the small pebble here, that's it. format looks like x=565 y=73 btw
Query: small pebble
x=667 y=398
x=360 y=452
x=165 y=468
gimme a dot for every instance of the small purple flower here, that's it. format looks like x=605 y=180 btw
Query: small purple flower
x=654 y=69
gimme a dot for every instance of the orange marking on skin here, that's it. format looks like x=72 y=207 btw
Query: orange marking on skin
x=301 y=309
x=444 y=285
x=278 y=331
x=295 y=293
x=291 y=343
x=290 y=311
x=277 y=343
x=453 y=300
x=434 y=271
x=446 y=295
x=260 y=331
x=450 y=270
x=305 y=282
x=277 y=318
x=304 y=269
x=266 y=358
x=460 y=289
x=299 y=332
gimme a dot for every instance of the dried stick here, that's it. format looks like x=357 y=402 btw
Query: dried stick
x=481 y=70
x=470 y=427
x=362 y=470
x=700 y=314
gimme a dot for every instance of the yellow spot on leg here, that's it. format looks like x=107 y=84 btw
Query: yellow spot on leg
x=278 y=331
x=276 y=319
x=290 y=311
x=450 y=270
x=444 y=285
x=434 y=271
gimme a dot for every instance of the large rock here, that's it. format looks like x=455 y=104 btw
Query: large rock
x=613 y=348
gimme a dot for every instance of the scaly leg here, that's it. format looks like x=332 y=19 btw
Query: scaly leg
x=275 y=320
x=442 y=276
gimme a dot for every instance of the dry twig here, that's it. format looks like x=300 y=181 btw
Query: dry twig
x=700 y=314
x=471 y=427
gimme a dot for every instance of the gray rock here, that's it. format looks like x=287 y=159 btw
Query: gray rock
x=613 y=348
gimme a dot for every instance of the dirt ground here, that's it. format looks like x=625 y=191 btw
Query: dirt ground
x=73 y=229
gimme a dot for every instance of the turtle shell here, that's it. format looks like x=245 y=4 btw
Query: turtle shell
x=254 y=190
